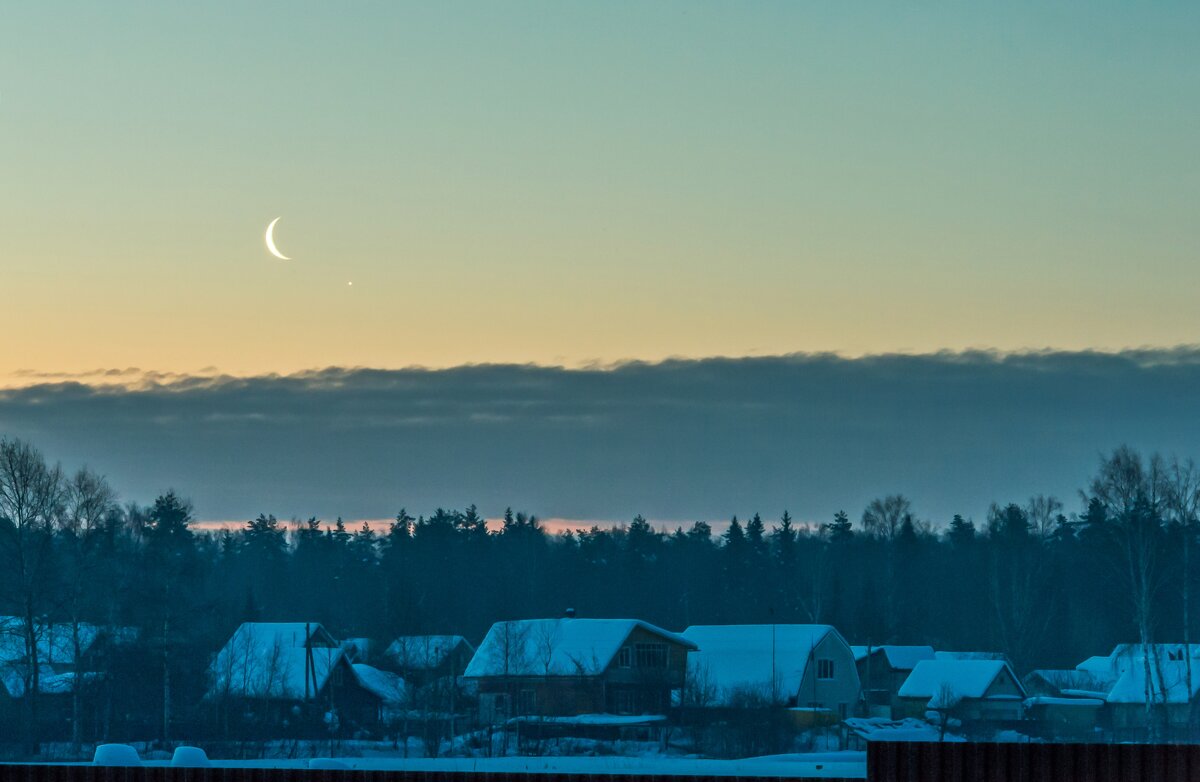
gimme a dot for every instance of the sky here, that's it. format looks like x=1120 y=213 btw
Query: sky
x=542 y=221
x=570 y=183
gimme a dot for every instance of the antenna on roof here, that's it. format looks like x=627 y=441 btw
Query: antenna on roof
x=309 y=668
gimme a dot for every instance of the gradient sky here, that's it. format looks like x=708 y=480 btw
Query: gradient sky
x=567 y=182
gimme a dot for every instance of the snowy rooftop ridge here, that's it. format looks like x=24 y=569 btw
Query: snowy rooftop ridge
x=956 y=678
x=424 y=652
x=900 y=658
x=385 y=685
x=269 y=660
x=557 y=647
x=55 y=641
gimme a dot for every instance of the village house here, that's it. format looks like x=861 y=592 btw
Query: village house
x=809 y=668
x=557 y=668
x=971 y=691
x=421 y=659
x=74 y=661
x=882 y=671
x=1158 y=682
x=289 y=673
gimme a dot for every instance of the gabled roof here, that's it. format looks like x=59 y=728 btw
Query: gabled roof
x=1099 y=665
x=1167 y=683
x=385 y=685
x=957 y=678
x=768 y=660
x=1073 y=680
x=1125 y=666
x=557 y=647
x=424 y=652
x=55 y=641
x=269 y=660
x=899 y=658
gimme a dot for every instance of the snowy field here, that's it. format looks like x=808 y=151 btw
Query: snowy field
x=813 y=765
x=829 y=764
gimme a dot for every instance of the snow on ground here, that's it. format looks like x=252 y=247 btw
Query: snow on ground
x=842 y=764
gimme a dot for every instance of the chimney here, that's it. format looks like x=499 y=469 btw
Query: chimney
x=569 y=613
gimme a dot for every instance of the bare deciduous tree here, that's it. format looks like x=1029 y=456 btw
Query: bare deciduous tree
x=89 y=501
x=32 y=500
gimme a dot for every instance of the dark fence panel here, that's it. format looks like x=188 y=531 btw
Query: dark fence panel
x=88 y=773
x=977 y=762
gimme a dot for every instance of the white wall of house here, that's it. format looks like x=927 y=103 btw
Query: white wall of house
x=831 y=679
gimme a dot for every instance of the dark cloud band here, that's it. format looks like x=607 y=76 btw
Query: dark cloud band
x=678 y=439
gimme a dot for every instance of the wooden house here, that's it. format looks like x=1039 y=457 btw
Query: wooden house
x=570 y=667
x=967 y=690
x=291 y=675
x=882 y=671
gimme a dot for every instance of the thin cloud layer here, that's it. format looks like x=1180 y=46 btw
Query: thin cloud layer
x=676 y=440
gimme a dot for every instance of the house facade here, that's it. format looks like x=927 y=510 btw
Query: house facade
x=883 y=671
x=967 y=690
x=1157 y=682
x=805 y=667
x=570 y=667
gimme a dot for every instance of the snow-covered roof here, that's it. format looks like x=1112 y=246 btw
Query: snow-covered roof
x=269 y=660
x=908 y=729
x=557 y=647
x=1123 y=657
x=424 y=652
x=1124 y=667
x=12 y=680
x=769 y=660
x=385 y=685
x=900 y=658
x=956 y=678
x=1062 y=679
x=969 y=656
x=1167 y=683
x=1101 y=665
x=55 y=642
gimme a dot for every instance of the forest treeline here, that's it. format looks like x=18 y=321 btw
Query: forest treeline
x=1044 y=584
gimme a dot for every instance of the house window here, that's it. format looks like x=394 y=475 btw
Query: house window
x=651 y=655
x=842 y=711
x=527 y=702
x=626 y=701
x=824 y=669
x=337 y=677
x=625 y=657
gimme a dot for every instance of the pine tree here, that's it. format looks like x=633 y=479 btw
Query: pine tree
x=961 y=531
x=840 y=529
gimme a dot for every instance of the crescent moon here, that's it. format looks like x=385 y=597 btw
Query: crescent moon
x=271 y=242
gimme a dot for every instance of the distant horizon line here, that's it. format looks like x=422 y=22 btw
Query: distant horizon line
x=555 y=525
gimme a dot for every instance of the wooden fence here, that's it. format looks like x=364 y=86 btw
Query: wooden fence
x=976 y=762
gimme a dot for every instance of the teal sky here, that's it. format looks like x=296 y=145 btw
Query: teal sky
x=567 y=182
